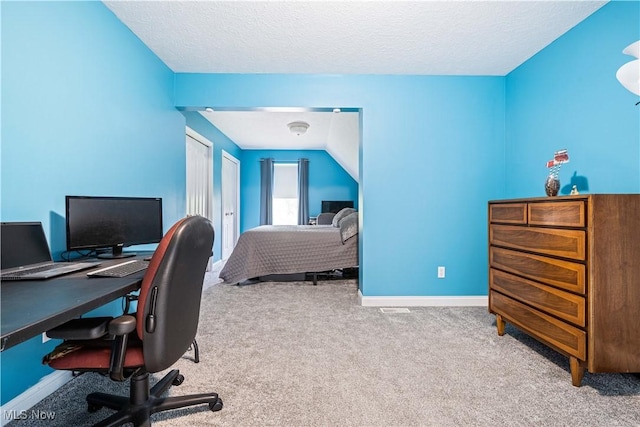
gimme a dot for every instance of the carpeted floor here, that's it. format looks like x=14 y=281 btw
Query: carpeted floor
x=294 y=354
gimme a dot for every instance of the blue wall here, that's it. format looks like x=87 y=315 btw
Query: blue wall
x=432 y=154
x=87 y=109
x=567 y=96
x=327 y=181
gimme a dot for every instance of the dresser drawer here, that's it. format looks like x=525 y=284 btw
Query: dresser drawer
x=559 y=303
x=557 y=333
x=566 y=214
x=549 y=241
x=510 y=213
x=563 y=274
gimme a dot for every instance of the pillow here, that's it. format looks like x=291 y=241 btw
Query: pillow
x=340 y=215
x=349 y=226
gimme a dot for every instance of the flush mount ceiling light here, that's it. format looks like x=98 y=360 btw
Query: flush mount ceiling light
x=629 y=74
x=298 y=127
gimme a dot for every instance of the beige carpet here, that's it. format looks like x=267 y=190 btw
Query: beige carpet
x=294 y=354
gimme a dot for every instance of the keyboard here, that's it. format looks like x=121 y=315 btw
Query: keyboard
x=120 y=270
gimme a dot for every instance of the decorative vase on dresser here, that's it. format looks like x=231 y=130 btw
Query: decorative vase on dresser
x=566 y=270
x=552 y=185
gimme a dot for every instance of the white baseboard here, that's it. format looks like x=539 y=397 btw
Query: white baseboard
x=423 y=301
x=20 y=405
x=213 y=271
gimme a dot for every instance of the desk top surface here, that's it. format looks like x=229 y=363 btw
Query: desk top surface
x=29 y=308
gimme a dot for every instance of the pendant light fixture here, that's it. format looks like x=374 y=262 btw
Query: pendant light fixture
x=629 y=74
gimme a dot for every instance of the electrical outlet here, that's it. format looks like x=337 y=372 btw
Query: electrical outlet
x=441 y=272
x=45 y=338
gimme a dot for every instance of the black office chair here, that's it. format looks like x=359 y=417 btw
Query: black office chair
x=194 y=345
x=162 y=330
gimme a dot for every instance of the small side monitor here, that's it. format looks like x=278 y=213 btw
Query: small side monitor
x=335 y=206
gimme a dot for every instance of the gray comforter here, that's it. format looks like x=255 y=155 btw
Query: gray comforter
x=287 y=249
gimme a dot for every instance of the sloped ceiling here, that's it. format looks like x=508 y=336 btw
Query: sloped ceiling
x=336 y=131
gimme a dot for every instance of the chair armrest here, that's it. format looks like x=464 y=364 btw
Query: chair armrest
x=121 y=327
x=89 y=328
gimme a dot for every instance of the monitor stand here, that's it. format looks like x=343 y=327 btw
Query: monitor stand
x=116 y=252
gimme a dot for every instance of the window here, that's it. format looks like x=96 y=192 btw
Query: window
x=285 y=193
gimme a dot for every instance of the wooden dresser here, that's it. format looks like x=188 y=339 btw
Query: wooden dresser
x=566 y=270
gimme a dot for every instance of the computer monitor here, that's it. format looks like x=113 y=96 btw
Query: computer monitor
x=336 y=206
x=112 y=223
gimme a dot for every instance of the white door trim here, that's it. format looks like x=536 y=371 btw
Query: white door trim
x=228 y=156
x=204 y=141
x=195 y=135
x=207 y=207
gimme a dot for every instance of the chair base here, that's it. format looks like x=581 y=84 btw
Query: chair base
x=144 y=401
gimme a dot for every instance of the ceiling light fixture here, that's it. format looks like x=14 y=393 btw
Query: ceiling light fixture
x=209 y=110
x=298 y=127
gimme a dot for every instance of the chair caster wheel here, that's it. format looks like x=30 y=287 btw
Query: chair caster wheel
x=215 y=406
x=93 y=408
x=178 y=380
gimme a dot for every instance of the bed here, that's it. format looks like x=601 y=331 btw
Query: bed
x=290 y=249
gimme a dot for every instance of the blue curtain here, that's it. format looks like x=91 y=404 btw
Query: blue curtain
x=303 y=191
x=266 y=191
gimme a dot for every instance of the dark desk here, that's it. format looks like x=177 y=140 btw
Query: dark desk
x=30 y=308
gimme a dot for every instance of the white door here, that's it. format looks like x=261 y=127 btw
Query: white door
x=230 y=203
x=199 y=176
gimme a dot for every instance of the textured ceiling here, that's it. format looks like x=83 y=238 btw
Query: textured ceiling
x=349 y=37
